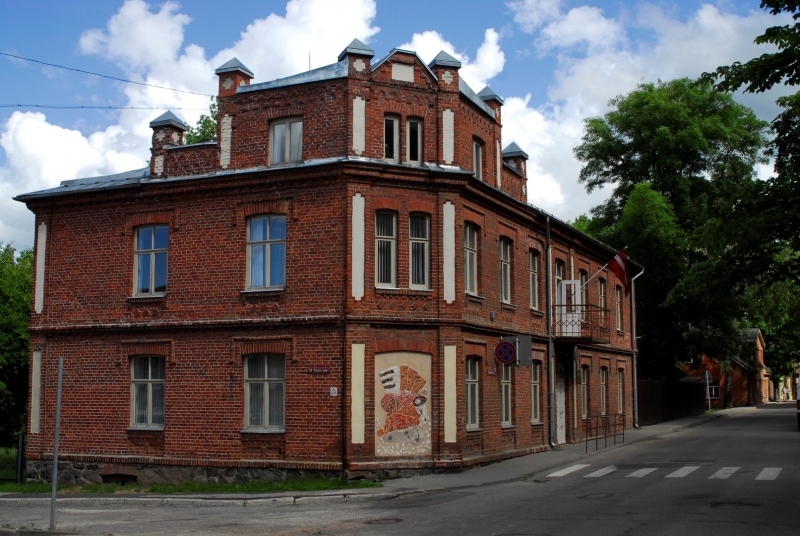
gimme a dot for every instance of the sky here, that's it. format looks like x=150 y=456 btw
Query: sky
x=554 y=62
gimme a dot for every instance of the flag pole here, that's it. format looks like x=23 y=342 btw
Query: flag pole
x=601 y=269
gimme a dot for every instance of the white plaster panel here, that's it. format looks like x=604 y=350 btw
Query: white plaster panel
x=499 y=166
x=359 y=65
x=158 y=165
x=359 y=122
x=449 y=251
x=357 y=246
x=226 y=129
x=450 y=396
x=448 y=136
x=357 y=410
x=36 y=392
x=403 y=72
x=41 y=250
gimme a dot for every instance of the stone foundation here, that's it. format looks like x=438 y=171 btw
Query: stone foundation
x=70 y=472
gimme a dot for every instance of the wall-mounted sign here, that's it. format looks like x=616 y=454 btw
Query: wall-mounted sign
x=505 y=352
x=334 y=391
x=318 y=370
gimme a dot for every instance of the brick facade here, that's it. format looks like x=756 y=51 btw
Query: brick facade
x=374 y=375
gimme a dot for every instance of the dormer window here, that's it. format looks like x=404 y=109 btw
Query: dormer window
x=287 y=141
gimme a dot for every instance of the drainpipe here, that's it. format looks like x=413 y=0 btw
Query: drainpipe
x=551 y=380
x=633 y=350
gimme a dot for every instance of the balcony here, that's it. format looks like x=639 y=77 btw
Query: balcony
x=585 y=323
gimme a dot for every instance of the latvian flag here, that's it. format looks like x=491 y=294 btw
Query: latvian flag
x=619 y=265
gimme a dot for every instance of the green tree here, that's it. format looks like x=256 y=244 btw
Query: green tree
x=16 y=275
x=206 y=128
x=679 y=156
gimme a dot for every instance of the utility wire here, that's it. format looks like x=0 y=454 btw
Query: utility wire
x=104 y=75
x=72 y=107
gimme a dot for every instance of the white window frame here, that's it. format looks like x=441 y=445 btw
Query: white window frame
x=536 y=410
x=477 y=159
x=601 y=298
x=472 y=376
x=618 y=307
x=287 y=157
x=560 y=268
x=150 y=254
x=267 y=384
x=391 y=242
x=150 y=382
x=506 y=400
x=713 y=392
x=603 y=390
x=533 y=278
x=620 y=391
x=584 y=377
x=506 y=248
x=409 y=142
x=268 y=243
x=471 y=259
x=419 y=246
x=394 y=143
x=584 y=289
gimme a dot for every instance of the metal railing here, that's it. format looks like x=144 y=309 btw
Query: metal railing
x=582 y=321
x=603 y=427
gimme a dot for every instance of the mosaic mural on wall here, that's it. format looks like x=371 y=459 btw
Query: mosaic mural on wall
x=402 y=418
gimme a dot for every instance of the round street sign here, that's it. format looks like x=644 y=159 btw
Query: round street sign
x=505 y=352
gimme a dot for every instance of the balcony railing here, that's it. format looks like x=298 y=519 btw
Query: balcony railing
x=582 y=322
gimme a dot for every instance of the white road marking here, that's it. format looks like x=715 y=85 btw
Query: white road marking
x=602 y=472
x=641 y=472
x=683 y=471
x=770 y=473
x=723 y=473
x=569 y=470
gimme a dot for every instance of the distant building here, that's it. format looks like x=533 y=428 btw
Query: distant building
x=323 y=289
x=749 y=377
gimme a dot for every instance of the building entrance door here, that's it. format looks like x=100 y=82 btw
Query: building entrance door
x=561 y=405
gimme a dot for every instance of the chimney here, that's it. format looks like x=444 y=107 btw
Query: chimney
x=494 y=102
x=358 y=57
x=232 y=75
x=167 y=132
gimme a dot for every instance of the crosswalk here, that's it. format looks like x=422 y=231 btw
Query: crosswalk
x=768 y=473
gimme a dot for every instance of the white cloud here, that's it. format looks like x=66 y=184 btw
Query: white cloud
x=488 y=62
x=598 y=60
x=531 y=14
x=148 y=45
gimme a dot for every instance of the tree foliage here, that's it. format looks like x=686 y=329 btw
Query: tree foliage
x=679 y=156
x=16 y=275
x=206 y=128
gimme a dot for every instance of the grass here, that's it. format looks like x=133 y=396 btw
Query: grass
x=301 y=484
x=8 y=463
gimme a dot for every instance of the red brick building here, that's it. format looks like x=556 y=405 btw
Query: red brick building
x=323 y=289
x=747 y=383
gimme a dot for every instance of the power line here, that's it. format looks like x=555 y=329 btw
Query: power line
x=104 y=75
x=72 y=107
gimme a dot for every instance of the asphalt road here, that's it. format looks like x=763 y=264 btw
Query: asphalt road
x=739 y=475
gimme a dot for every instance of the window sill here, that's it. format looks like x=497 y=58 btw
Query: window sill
x=508 y=427
x=537 y=424
x=158 y=298
x=262 y=431
x=508 y=306
x=537 y=312
x=620 y=333
x=475 y=298
x=473 y=430
x=145 y=429
x=402 y=291
x=262 y=293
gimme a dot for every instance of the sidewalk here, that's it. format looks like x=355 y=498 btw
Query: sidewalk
x=504 y=471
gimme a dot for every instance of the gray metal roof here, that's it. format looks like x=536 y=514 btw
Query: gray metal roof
x=514 y=150
x=356 y=47
x=168 y=119
x=383 y=60
x=488 y=93
x=233 y=65
x=443 y=58
x=465 y=90
x=127 y=179
x=328 y=72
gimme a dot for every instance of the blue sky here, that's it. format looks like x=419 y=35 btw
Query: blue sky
x=555 y=62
